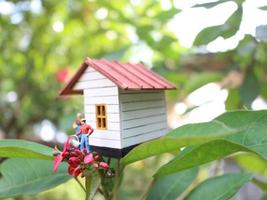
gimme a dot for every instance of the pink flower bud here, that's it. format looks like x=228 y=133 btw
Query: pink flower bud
x=97 y=157
x=104 y=165
x=88 y=159
x=95 y=165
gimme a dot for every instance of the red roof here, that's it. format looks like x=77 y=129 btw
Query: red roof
x=125 y=75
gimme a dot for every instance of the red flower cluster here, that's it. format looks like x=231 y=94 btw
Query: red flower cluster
x=79 y=161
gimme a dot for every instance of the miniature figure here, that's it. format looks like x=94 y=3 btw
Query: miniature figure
x=84 y=132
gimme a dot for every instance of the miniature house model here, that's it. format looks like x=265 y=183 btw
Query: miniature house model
x=124 y=103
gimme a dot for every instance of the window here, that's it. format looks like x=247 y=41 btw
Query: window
x=101 y=117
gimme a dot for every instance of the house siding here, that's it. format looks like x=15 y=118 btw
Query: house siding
x=143 y=116
x=97 y=89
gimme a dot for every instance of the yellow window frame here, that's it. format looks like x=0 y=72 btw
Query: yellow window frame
x=101 y=116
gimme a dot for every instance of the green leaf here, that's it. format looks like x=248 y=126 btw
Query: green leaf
x=256 y=163
x=25 y=149
x=264 y=91
x=226 y=30
x=264 y=197
x=254 y=132
x=251 y=139
x=233 y=100
x=210 y=5
x=143 y=33
x=182 y=136
x=219 y=188
x=198 y=80
x=170 y=187
x=164 y=16
x=29 y=176
x=263 y=8
x=208 y=35
x=261 y=184
x=249 y=89
x=195 y=156
x=231 y=26
x=247 y=129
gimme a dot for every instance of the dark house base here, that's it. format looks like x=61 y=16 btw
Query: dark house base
x=112 y=152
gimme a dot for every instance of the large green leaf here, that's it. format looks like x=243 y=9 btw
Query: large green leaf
x=24 y=149
x=254 y=134
x=29 y=176
x=182 y=136
x=170 y=187
x=252 y=139
x=204 y=153
x=219 y=188
x=247 y=129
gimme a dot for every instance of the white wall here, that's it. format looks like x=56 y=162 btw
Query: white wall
x=143 y=116
x=100 y=90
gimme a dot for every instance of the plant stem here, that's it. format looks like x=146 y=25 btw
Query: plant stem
x=79 y=182
x=118 y=178
x=88 y=179
x=103 y=184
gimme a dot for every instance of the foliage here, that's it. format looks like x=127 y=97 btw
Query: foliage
x=250 y=138
x=24 y=149
x=27 y=176
x=246 y=58
x=205 y=142
x=43 y=44
x=40 y=48
x=222 y=187
x=243 y=128
x=161 y=188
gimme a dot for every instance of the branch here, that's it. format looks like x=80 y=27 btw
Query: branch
x=80 y=184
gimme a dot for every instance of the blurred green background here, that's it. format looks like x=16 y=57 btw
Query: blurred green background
x=43 y=42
